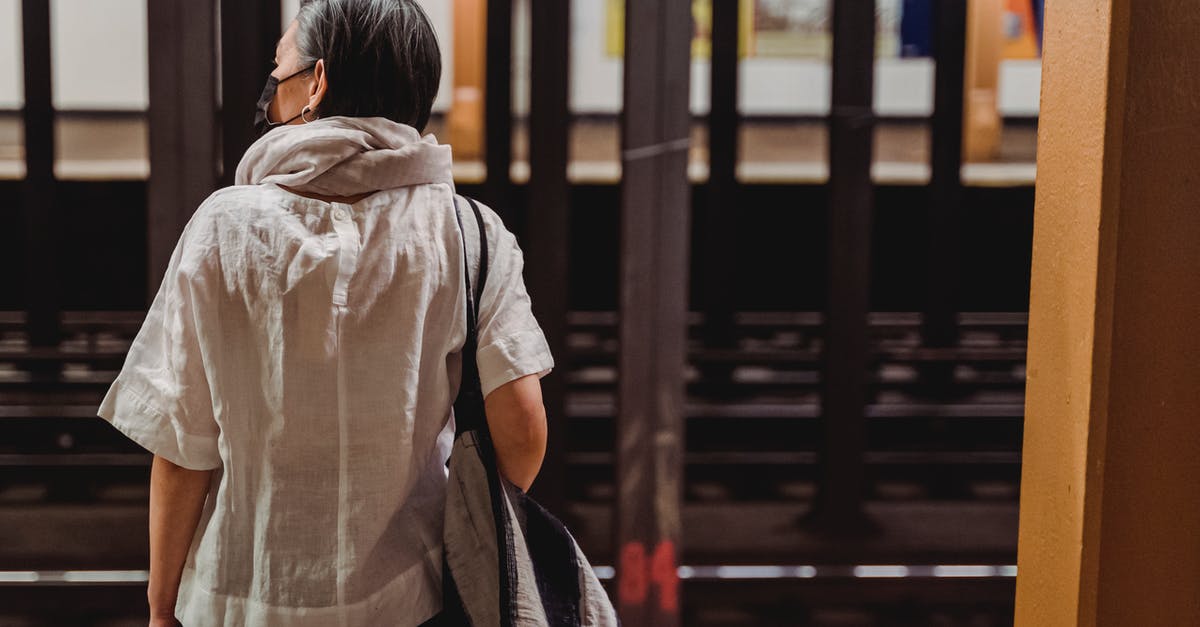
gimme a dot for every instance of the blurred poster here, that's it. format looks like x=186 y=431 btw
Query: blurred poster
x=802 y=28
x=701 y=22
x=916 y=28
x=793 y=29
x=1020 y=30
x=1039 y=11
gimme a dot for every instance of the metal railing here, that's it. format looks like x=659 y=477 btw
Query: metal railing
x=189 y=138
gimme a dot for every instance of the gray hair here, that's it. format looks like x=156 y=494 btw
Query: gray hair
x=381 y=57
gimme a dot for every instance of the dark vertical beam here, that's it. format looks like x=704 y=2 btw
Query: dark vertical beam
x=249 y=32
x=498 y=107
x=41 y=278
x=940 y=325
x=548 y=219
x=183 y=121
x=838 y=506
x=655 y=225
x=721 y=206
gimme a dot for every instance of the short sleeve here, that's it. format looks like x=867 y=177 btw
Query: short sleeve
x=511 y=344
x=161 y=398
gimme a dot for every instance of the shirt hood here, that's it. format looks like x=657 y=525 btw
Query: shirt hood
x=344 y=156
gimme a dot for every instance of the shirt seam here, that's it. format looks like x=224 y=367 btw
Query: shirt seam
x=154 y=409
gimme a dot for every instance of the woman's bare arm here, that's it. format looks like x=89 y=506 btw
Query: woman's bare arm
x=176 y=499
x=517 y=421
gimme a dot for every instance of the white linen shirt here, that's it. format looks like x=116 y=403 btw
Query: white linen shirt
x=309 y=352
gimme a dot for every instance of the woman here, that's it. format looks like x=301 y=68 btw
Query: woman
x=295 y=373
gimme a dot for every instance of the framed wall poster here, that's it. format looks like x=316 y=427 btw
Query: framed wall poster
x=1020 y=30
x=781 y=29
x=614 y=28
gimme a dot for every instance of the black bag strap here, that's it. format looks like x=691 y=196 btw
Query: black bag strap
x=469 y=416
x=468 y=406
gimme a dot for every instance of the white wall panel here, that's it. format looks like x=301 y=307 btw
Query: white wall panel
x=100 y=62
x=98 y=54
x=12 y=87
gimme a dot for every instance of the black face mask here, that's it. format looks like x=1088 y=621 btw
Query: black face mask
x=262 y=122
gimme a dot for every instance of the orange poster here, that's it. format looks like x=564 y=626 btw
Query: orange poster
x=1020 y=34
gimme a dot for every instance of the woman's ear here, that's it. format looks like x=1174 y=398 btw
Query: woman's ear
x=316 y=89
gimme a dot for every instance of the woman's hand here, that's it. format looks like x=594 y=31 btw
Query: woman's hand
x=165 y=622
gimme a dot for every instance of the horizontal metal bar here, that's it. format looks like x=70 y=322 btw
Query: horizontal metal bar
x=54 y=460
x=106 y=320
x=607 y=409
x=826 y=571
x=695 y=573
x=77 y=318
x=604 y=406
x=751 y=379
x=70 y=380
x=48 y=411
x=57 y=354
x=72 y=577
x=790 y=356
x=814 y=318
x=804 y=458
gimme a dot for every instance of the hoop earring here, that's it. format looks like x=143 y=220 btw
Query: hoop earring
x=306 y=109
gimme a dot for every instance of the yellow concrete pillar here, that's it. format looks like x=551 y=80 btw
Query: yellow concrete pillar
x=465 y=118
x=1110 y=495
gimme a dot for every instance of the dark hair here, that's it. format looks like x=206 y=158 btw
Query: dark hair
x=381 y=57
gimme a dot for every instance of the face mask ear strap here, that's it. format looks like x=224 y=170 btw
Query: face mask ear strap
x=289 y=120
x=262 y=116
x=297 y=72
